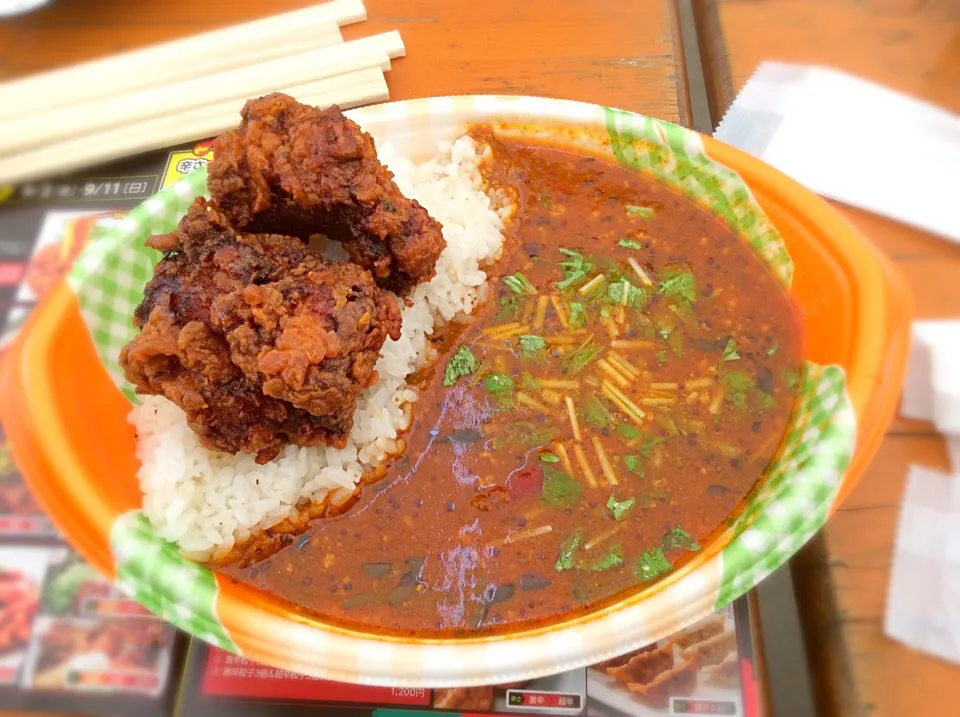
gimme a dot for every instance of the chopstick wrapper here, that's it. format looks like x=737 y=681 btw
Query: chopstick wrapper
x=923 y=601
x=852 y=141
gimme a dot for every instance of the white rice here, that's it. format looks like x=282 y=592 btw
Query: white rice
x=207 y=501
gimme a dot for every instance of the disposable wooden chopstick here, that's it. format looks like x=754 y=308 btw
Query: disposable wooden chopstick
x=28 y=133
x=181 y=59
x=348 y=90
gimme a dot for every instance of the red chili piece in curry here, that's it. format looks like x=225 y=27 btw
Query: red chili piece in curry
x=610 y=406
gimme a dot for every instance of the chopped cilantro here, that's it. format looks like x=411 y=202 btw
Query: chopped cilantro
x=585 y=354
x=499 y=385
x=637 y=298
x=628 y=431
x=630 y=244
x=613 y=559
x=615 y=291
x=595 y=413
x=529 y=382
x=519 y=284
x=509 y=309
x=548 y=458
x=544 y=198
x=679 y=538
x=531 y=345
x=730 y=352
x=651 y=442
x=575 y=269
x=462 y=363
x=559 y=489
x=736 y=385
x=662 y=356
x=679 y=285
x=634 y=464
x=764 y=400
x=620 y=508
x=578 y=317
x=652 y=564
x=772 y=350
x=636 y=210
x=565 y=560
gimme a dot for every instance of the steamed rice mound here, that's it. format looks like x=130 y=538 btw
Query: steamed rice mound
x=206 y=502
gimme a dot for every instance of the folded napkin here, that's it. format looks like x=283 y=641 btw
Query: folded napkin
x=879 y=150
x=853 y=141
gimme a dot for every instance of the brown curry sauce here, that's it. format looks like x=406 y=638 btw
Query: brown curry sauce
x=489 y=521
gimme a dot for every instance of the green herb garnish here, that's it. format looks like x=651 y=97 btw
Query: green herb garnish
x=737 y=384
x=636 y=210
x=548 y=458
x=559 y=489
x=499 y=385
x=628 y=431
x=578 y=317
x=509 y=309
x=595 y=413
x=730 y=352
x=462 y=363
x=544 y=198
x=636 y=297
x=519 y=284
x=531 y=345
x=764 y=400
x=529 y=382
x=630 y=244
x=651 y=564
x=634 y=464
x=662 y=357
x=679 y=285
x=575 y=269
x=585 y=354
x=620 y=508
x=565 y=560
x=613 y=559
x=772 y=350
x=679 y=538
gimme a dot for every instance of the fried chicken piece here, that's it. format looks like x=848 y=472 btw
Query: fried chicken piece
x=298 y=170
x=260 y=342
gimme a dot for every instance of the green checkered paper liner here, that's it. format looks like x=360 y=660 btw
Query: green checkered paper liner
x=791 y=505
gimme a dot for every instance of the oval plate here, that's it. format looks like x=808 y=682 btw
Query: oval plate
x=67 y=408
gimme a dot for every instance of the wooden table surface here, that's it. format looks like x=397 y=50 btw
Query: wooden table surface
x=631 y=55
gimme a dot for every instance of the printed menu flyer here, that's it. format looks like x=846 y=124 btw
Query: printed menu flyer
x=705 y=669
x=72 y=643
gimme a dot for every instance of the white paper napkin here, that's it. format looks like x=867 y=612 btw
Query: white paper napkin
x=853 y=141
x=923 y=601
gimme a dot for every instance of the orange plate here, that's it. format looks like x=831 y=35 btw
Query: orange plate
x=66 y=421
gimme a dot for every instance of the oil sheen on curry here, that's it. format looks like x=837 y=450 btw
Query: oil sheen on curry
x=621 y=391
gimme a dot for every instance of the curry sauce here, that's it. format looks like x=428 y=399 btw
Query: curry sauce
x=622 y=390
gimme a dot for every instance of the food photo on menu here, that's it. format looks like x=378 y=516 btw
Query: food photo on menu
x=20 y=514
x=21 y=575
x=99 y=654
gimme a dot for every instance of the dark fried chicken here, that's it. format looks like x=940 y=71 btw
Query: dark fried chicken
x=260 y=342
x=298 y=170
